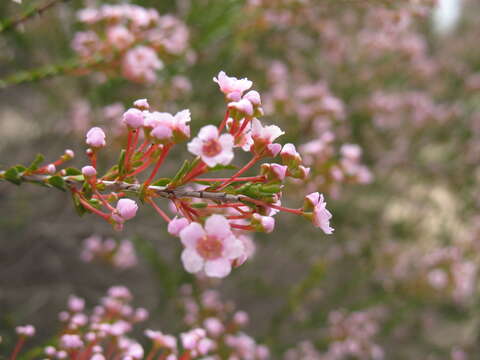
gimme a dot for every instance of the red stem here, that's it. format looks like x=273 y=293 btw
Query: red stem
x=164 y=154
x=239 y=172
x=249 y=178
x=159 y=211
x=224 y=121
x=18 y=347
x=128 y=150
x=89 y=206
x=264 y=204
x=244 y=125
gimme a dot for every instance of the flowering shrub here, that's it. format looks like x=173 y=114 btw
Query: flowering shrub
x=214 y=213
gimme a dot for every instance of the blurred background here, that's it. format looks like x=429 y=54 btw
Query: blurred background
x=382 y=98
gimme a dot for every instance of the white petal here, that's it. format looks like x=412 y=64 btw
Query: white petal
x=191 y=234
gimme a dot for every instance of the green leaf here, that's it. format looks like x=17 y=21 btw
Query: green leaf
x=13 y=176
x=219 y=167
x=58 y=182
x=121 y=161
x=199 y=205
x=78 y=205
x=271 y=189
x=20 y=168
x=37 y=161
x=180 y=173
x=71 y=171
x=161 y=182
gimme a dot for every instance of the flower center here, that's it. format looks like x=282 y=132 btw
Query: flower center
x=211 y=147
x=210 y=248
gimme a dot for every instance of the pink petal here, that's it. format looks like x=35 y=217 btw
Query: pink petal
x=195 y=146
x=208 y=132
x=233 y=248
x=192 y=262
x=191 y=234
x=218 y=226
x=218 y=268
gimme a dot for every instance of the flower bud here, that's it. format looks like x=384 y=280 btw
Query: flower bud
x=127 y=208
x=96 y=137
x=141 y=104
x=133 y=118
x=177 y=225
x=51 y=169
x=89 y=171
x=254 y=97
x=263 y=223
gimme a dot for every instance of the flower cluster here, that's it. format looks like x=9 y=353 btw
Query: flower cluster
x=222 y=324
x=120 y=255
x=129 y=39
x=213 y=213
x=214 y=329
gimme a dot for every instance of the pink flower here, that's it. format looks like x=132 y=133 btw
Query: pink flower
x=96 y=137
x=243 y=106
x=71 y=341
x=263 y=223
x=265 y=134
x=126 y=210
x=133 y=118
x=210 y=248
x=89 y=171
x=27 y=330
x=321 y=216
x=162 y=340
x=75 y=303
x=279 y=170
x=119 y=37
x=254 y=97
x=51 y=169
x=289 y=154
x=167 y=127
x=142 y=104
x=232 y=87
x=212 y=148
x=140 y=64
x=177 y=225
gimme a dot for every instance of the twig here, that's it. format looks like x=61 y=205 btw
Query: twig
x=12 y=23
x=160 y=191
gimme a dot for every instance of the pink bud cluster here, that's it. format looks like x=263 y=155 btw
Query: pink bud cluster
x=130 y=39
x=120 y=255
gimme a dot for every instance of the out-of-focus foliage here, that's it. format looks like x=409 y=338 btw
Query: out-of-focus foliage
x=384 y=98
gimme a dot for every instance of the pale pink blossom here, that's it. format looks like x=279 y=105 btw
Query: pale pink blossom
x=51 y=169
x=89 y=171
x=26 y=330
x=177 y=225
x=232 y=87
x=133 y=118
x=71 y=341
x=321 y=216
x=243 y=106
x=210 y=248
x=126 y=209
x=142 y=104
x=263 y=223
x=120 y=37
x=96 y=137
x=265 y=134
x=140 y=64
x=75 y=303
x=212 y=148
x=254 y=97
x=162 y=340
